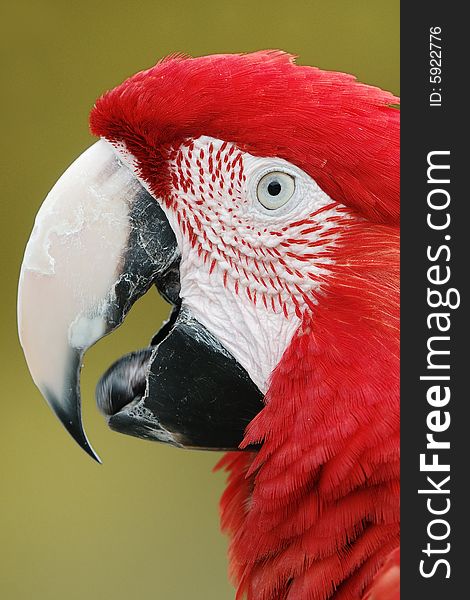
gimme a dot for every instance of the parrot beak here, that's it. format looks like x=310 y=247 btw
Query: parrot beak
x=100 y=240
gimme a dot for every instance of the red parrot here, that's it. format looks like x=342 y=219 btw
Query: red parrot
x=262 y=199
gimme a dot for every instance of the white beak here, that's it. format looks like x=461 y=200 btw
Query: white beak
x=76 y=283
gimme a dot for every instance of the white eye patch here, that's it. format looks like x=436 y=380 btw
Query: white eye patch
x=253 y=236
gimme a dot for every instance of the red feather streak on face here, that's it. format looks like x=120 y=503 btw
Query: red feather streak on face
x=314 y=514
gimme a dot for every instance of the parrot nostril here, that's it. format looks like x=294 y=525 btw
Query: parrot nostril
x=124 y=382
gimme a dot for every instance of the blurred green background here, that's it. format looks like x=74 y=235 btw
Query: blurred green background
x=145 y=524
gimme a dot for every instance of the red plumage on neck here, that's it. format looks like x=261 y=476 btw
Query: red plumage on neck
x=315 y=513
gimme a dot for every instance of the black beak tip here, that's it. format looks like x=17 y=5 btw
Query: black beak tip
x=70 y=418
x=82 y=441
x=76 y=431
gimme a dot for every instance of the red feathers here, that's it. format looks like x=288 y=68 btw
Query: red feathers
x=316 y=512
x=342 y=133
x=386 y=584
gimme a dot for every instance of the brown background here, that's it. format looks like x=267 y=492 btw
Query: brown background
x=143 y=525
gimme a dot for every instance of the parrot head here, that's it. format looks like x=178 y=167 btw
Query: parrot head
x=226 y=181
x=261 y=199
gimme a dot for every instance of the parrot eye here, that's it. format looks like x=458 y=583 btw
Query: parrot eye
x=275 y=189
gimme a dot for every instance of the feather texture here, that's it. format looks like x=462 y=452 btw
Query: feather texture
x=315 y=513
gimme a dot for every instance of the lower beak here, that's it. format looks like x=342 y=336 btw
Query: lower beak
x=186 y=390
x=99 y=242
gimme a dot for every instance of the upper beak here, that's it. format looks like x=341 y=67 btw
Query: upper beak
x=99 y=242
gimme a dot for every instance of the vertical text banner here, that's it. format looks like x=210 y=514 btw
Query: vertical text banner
x=435 y=319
